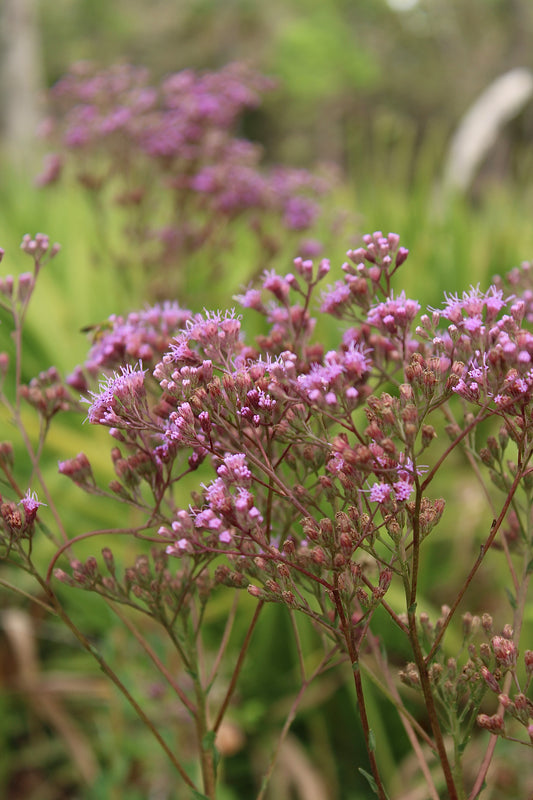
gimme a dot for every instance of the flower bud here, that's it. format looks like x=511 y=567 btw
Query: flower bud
x=504 y=651
x=401 y=255
x=528 y=661
x=489 y=679
x=7 y=458
x=288 y=598
x=494 y=724
x=25 y=286
x=503 y=436
x=108 y=559
x=318 y=555
x=6 y=286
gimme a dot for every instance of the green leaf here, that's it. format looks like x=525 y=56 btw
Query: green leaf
x=199 y=795
x=371 y=782
x=511 y=598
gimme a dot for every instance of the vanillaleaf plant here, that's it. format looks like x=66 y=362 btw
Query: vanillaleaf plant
x=315 y=490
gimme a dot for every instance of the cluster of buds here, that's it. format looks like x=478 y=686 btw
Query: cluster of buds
x=79 y=470
x=39 y=248
x=15 y=293
x=367 y=277
x=148 y=583
x=141 y=336
x=516 y=706
x=16 y=524
x=48 y=394
x=463 y=687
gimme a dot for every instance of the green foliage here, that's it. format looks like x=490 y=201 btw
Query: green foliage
x=317 y=55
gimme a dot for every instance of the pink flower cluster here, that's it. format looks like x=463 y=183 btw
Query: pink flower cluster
x=495 y=349
x=228 y=516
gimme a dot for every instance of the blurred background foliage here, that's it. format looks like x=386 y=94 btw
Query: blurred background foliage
x=376 y=89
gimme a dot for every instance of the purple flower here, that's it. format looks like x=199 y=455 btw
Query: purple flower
x=300 y=213
x=141 y=336
x=395 y=315
x=279 y=286
x=235 y=470
x=180 y=428
x=336 y=298
x=472 y=306
x=403 y=490
x=251 y=299
x=380 y=492
x=121 y=401
x=30 y=504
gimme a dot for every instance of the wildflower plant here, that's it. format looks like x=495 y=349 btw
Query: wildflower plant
x=169 y=159
x=314 y=472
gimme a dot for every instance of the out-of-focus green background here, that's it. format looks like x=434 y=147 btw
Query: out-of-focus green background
x=375 y=88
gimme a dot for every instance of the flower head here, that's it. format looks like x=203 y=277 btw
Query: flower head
x=121 y=401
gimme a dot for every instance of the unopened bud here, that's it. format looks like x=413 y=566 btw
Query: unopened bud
x=401 y=255
x=528 y=661
x=323 y=268
x=494 y=724
x=490 y=680
x=318 y=555
x=486 y=622
x=6 y=286
x=504 y=651
x=7 y=458
x=289 y=598
x=108 y=559
x=283 y=571
x=25 y=286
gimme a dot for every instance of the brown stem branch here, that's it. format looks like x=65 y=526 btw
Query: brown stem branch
x=354 y=660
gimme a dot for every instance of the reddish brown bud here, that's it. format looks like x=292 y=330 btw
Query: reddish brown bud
x=310 y=529
x=283 y=571
x=318 y=555
x=11 y=516
x=504 y=651
x=494 y=724
x=490 y=680
x=289 y=598
x=486 y=622
x=528 y=661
